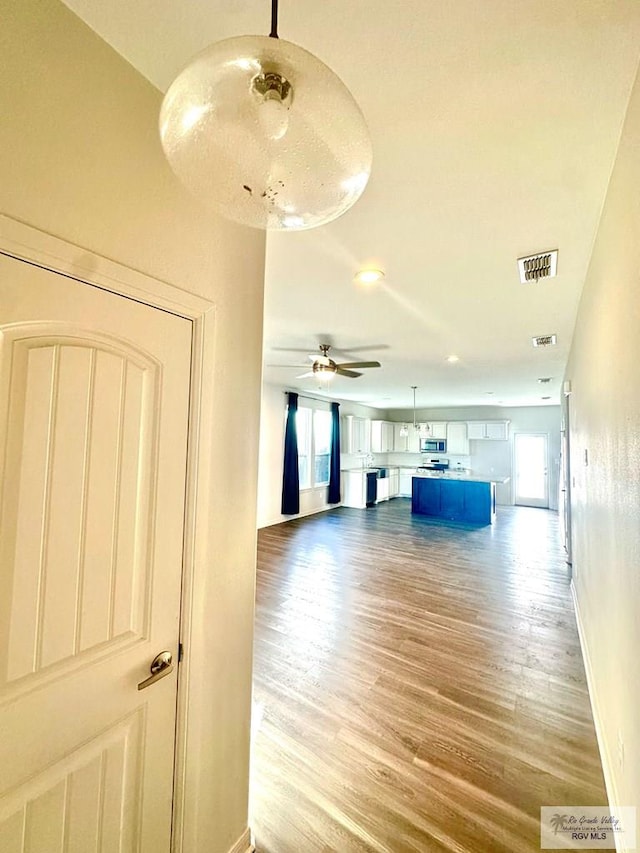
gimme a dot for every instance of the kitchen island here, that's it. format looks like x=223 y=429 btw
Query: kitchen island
x=455 y=497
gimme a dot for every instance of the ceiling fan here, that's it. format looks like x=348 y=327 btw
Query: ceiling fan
x=324 y=367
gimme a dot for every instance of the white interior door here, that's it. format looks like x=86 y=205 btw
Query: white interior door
x=93 y=431
x=531 y=470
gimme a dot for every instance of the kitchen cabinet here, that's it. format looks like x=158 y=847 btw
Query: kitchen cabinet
x=383 y=489
x=409 y=443
x=493 y=430
x=381 y=436
x=454 y=500
x=354 y=489
x=356 y=435
x=400 y=441
x=457 y=441
x=437 y=429
x=394 y=482
x=451 y=499
x=406 y=475
x=413 y=440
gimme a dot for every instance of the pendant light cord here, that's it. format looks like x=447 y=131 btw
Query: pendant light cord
x=274 y=20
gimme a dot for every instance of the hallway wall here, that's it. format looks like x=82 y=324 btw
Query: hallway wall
x=81 y=160
x=604 y=419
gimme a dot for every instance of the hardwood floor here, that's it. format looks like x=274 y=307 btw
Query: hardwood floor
x=418 y=685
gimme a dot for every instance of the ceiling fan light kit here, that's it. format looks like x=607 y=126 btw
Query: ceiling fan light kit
x=266 y=133
x=326 y=368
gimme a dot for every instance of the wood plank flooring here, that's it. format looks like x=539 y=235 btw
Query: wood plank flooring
x=418 y=685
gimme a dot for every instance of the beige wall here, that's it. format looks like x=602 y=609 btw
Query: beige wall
x=604 y=421
x=81 y=160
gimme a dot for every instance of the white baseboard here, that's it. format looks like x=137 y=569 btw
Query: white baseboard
x=282 y=518
x=243 y=844
x=605 y=757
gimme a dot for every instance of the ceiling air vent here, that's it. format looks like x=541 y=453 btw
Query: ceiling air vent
x=544 y=341
x=535 y=267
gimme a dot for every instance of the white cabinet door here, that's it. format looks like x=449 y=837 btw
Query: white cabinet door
x=382 y=493
x=494 y=430
x=94 y=396
x=476 y=430
x=376 y=436
x=387 y=437
x=413 y=441
x=381 y=436
x=356 y=435
x=394 y=482
x=362 y=435
x=405 y=482
x=354 y=489
x=401 y=437
x=438 y=429
x=498 y=431
x=457 y=442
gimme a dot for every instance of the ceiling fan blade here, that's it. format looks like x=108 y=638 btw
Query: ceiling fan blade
x=290 y=349
x=350 y=373
x=361 y=364
x=349 y=350
x=306 y=375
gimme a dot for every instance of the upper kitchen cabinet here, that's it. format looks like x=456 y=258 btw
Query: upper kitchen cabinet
x=437 y=429
x=406 y=438
x=401 y=437
x=457 y=440
x=494 y=430
x=413 y=444
x=382 y=436
x=356 y=434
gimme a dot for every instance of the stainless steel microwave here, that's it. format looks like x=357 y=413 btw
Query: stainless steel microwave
x=433 y=445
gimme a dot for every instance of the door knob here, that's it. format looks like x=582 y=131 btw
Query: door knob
x=161 y=665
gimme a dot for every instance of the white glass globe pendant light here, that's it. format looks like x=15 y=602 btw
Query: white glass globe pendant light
x=266 y=133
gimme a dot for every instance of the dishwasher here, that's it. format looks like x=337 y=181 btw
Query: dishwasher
x=372 y=488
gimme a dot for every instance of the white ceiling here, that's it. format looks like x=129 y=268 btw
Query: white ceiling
x=495 y=126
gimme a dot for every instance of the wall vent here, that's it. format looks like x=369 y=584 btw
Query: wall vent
x=544 y=380
x=544 y=341
x=535 y=267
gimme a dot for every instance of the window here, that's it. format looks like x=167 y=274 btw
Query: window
x=313 y=427
x=321 y=446
x=303 y=429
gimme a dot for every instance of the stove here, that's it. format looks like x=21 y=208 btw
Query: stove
x=436 y=465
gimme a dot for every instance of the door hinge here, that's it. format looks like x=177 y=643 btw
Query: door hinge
x=180 y=652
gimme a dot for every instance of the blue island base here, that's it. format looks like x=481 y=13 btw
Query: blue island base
x=455 y=500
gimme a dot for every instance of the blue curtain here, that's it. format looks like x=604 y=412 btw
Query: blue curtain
x=290 y=476
x=334 y=463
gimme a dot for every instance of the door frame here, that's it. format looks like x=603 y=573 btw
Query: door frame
x=515 y=470
x=25 y=243
x=565 y=444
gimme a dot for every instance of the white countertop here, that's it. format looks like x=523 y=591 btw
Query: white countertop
x=372 y=469
x=472 y=476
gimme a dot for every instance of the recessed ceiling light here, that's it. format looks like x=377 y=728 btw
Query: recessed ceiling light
x=369 y=276
x=453 y=358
